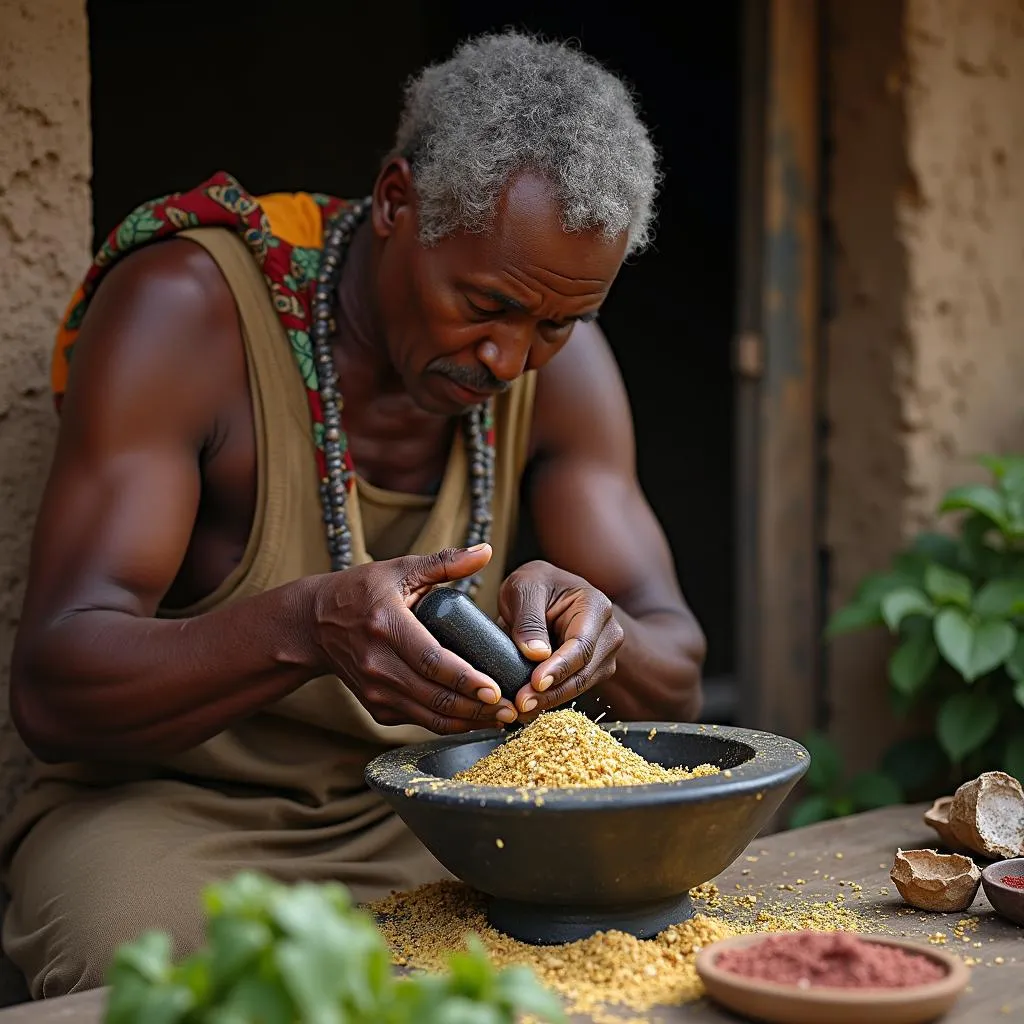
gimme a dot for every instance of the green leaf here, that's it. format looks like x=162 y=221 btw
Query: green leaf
x=876 y=586
x=1013 y=757
x=247 y=893
x=979 y=556
x=810 y=810
x=905 y=601
x=853 y=617
x=915 y=762
x=973 y=648
x=874 y=789
x=1018 y=692
x=1015 y=662
x=977 y=498
x=518 y=989
x=1008 y=471
x=826 y=767
x=463 y=1010
x=256 y=999
x=913 y=662
x=471 y=971
x=937 y=547
x=312 y=982
x=136 y=1001
x=235 y=943
x=965 y=721
x=947 y=587
x=1000 y=599
x=149 y=956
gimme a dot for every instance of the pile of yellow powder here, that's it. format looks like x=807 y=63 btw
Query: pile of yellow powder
x=595 y=975
x=561 y=749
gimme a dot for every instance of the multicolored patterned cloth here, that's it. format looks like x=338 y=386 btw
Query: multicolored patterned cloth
x=284 y=232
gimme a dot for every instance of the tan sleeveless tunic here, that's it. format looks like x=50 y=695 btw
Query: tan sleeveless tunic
x=95 y=853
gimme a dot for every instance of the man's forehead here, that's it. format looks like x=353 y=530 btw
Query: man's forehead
x=528 y=235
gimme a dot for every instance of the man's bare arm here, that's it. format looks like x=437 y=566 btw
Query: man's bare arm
x=94 y=674
x=592 y=519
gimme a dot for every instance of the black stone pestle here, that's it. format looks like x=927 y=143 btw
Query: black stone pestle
x=457 y=623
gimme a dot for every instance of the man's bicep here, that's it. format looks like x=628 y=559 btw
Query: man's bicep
x=595 y=521
x=112 y=530
x=589 y=510
x=123 y=490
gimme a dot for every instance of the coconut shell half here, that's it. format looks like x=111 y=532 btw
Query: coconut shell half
x=937 y=817
x=944 y=882
x=987 y=815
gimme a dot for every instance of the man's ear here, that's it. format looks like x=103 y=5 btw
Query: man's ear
x=394 y=198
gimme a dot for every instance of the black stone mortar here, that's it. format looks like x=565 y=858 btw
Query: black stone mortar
x=561 y=864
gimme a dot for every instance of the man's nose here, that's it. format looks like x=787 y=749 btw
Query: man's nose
x=507 y=351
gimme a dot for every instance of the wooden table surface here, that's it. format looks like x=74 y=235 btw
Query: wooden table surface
x=867 y=844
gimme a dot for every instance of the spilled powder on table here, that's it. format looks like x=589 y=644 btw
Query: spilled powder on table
x=608 y=972
x=562 y=749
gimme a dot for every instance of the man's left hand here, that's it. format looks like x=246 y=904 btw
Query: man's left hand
x=542 y=605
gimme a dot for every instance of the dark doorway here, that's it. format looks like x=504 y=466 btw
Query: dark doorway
x=182 y=89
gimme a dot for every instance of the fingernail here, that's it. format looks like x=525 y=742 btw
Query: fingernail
x=537 y=645
x=506 y=715
x=476 y=547
x=488 y=695
x=529 y=704
x=544 y=683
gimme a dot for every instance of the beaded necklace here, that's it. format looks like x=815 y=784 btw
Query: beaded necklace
x=476 y=422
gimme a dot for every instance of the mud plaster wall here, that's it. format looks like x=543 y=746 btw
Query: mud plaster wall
x=925 y=346
x=963 y=224
x=44 y=247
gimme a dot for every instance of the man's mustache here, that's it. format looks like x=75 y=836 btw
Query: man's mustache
x=479 y=378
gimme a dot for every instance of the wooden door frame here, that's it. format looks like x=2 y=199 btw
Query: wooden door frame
x=777 y=365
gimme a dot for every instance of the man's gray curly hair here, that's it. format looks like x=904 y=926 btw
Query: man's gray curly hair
x=509 y=102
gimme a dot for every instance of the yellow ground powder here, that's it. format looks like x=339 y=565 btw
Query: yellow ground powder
x=608 y=969
x=561 y=749
x=603 y=975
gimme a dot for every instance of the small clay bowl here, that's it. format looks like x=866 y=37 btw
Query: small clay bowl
x=787 y=1004
x=1007 y=902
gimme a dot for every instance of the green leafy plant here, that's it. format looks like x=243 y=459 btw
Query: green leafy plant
x=956 y=604
x=305 y=955
x=830 y=794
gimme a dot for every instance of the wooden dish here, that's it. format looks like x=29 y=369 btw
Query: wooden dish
x=1006 y=901
x=787 y=1004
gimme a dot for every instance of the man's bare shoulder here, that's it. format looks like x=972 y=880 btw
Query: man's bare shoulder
x=163 y=321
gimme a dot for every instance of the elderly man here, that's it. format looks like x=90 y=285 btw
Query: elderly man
x=283 y=420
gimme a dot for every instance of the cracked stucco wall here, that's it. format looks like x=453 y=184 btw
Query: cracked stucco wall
x=44 y=249
x=926 y=345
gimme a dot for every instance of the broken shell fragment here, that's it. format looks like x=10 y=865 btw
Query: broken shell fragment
x=928 y=880
x=987 y=815
x=937 y=817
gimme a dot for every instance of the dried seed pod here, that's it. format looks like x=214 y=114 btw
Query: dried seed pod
x=937 y=817
x=987 y=815
x=929 y=880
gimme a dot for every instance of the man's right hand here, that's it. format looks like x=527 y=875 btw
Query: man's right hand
x=370 y=638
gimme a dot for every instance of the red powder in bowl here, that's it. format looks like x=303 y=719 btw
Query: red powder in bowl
x=829 y=960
